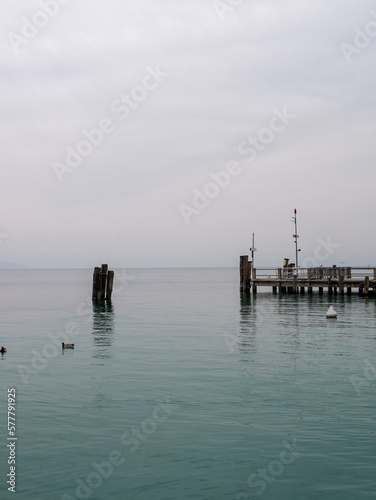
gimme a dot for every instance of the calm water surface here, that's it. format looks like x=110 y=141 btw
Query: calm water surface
x=183 y=389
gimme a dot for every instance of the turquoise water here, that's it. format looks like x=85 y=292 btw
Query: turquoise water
x=184 y=389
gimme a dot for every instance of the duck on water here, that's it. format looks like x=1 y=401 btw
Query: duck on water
x=3 y=349
x=67 y=346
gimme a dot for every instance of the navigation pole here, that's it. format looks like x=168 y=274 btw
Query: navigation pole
x=296 y=236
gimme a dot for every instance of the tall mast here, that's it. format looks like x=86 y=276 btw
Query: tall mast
x=253 y=250
x=296 y=236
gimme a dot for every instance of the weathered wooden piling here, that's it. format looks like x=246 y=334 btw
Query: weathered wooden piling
x=244 y=273
x=254 y=286
x=341 y=280
x=110 y=286
x=366 y=285
x=96 y=273
x=103 y=281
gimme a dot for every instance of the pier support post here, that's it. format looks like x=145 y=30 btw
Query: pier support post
x=254 y=287
x=330 y=288
x=366 y=285
x=244 y=273
x=274 y=290
x=341 y=283
x=302 y=291
x=279 y=280
x=295 y=282
x=321 y=290
x=348 y=291
x=309 y=290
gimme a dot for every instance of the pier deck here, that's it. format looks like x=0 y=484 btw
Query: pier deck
x=297 y=280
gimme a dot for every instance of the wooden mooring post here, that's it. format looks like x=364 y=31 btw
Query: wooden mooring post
x=244 y=273
x=341 y=280
x=103 y=284
x=366 y=285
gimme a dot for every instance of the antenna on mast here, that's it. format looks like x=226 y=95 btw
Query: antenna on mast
x=253 y=250
x=296 y=236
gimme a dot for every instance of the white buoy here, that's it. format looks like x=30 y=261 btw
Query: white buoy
x=331 y=312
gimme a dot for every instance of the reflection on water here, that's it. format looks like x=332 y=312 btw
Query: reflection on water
x=296 y=326
x=246 y=330
x=103 y=330
x=277 y=323
x=67 y=352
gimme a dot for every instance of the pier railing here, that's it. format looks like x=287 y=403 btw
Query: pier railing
x=292 y=278
x=313 y=273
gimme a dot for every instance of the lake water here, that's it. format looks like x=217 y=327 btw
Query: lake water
x=184 y=389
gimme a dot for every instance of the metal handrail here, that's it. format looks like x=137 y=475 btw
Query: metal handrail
x=314 y=273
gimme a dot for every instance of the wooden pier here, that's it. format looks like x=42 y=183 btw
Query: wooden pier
x=333 y=279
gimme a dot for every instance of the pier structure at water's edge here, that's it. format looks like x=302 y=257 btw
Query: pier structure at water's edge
x=297 y=280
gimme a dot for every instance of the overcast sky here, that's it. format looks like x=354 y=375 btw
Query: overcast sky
x=164 y=133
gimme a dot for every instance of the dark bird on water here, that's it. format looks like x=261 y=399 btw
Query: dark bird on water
x=67 y=346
